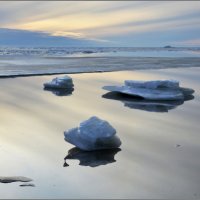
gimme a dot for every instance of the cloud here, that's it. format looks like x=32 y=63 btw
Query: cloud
x=23 y=38
x=100 y=20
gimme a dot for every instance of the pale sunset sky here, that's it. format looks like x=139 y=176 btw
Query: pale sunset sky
x=100 y=23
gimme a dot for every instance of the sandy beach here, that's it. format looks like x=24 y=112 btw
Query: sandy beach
x=159 y=156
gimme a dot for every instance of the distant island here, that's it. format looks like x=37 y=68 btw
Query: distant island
x=168 y=46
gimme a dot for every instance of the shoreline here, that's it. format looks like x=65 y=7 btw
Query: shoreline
x=91 y=65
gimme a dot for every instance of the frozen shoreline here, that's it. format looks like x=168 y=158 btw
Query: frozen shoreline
x=34 y=66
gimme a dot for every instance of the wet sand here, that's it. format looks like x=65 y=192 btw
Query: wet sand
x=159 y=156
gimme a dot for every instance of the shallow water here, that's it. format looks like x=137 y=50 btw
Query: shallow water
x=159 y=156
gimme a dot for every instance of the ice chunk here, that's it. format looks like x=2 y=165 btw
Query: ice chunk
x=10 y=179
x=152 y=90
x=153 y=84
x=146 y=105
x=93 y=134
x=150 y=94
x=60 y=83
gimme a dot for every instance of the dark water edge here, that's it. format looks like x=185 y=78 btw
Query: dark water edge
x=31 y=66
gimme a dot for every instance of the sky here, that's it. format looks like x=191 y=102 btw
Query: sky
x=100 y=23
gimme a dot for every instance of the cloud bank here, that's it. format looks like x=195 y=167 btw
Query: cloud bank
x=104 y=23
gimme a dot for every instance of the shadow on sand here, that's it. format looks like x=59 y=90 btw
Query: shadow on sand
x=92 y=158
x=146 y=105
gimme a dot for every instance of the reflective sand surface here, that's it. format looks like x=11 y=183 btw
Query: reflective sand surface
x=159 y=155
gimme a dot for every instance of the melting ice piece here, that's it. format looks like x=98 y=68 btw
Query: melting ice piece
x=152 y=90
x=60 y=83
x=10 y=179
x=173 y=84
x=93 y=134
